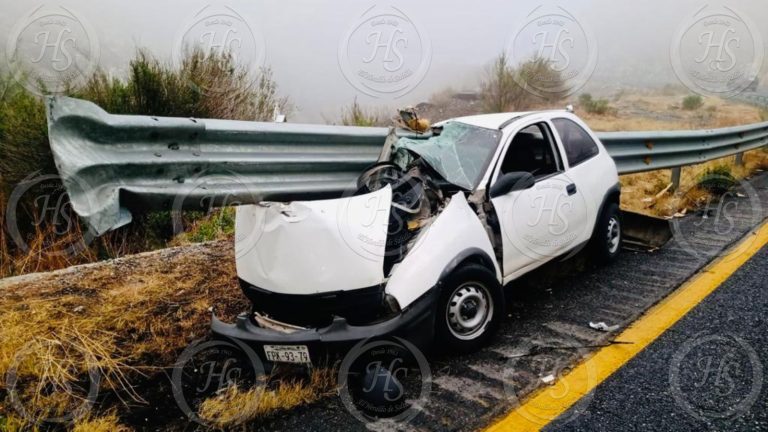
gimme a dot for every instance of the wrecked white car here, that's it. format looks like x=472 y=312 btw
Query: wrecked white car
x=423 y=245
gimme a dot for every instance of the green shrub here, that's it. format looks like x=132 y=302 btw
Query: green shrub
x=717 y=180
x=692 y=102
x=23 y=135
x=595 y=106
x=218 y=224
x=356 y=115
x=505 y=87
x=585 y=99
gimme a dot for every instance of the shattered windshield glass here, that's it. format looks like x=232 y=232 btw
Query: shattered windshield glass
x=460 y=153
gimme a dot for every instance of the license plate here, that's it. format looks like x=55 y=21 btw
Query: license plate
x=287 y=353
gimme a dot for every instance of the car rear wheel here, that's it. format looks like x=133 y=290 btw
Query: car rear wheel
x=470 y=308
x=607 y=239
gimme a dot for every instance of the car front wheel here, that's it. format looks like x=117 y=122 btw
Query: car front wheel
x=470 y=309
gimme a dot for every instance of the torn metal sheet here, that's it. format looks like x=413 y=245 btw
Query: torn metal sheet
x=647 y=232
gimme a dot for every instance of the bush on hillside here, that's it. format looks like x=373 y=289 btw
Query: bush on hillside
x=509 y=88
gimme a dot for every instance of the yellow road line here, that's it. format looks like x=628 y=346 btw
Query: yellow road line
x=550 y=402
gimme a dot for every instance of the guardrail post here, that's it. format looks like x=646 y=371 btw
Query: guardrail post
x=676 y=177
x=740 y=159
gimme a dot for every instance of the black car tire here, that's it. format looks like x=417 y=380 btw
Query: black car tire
x=470 y=293
x=607 y=238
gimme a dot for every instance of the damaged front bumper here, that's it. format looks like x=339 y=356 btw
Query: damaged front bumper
x=415 y=323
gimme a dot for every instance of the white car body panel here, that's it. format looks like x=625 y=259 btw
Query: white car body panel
x=539 y=223
x=545 y=222
x=455 y=230
x=594 y=176
x=310 y=247
x=491 y=121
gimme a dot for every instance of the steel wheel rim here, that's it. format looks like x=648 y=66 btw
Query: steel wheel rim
x=614 y=235
x=469 y=310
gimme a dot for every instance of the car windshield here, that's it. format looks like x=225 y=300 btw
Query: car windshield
x=460 y=154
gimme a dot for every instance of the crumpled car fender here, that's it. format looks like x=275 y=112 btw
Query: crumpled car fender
x=456 y=230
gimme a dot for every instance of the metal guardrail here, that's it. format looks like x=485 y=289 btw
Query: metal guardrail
x=111 y=163
x=648 y=151
x=754 y=98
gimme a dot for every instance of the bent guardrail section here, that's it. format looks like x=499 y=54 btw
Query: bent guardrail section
x=112 y=163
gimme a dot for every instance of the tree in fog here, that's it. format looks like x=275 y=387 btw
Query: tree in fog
x=509 y=88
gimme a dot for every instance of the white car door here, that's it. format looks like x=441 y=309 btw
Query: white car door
x=590 y=172
x=545 y=220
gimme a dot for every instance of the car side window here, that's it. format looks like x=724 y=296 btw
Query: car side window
x=532 y=150
x=579 y=146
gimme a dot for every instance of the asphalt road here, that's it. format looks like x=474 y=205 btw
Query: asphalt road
x=547 y=330
x=706 y=372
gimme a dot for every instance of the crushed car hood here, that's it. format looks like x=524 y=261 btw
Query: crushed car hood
x=310 y=247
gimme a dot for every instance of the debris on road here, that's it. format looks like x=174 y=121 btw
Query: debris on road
x=643 y=231
x=549 y=379
x=602 y=326
x=664 y=191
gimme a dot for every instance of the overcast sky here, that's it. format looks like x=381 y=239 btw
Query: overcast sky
x=326 y=53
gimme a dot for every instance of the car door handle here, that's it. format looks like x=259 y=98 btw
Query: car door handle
x=571 y=189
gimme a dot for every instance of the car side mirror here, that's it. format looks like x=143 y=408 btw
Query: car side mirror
x=511 y=182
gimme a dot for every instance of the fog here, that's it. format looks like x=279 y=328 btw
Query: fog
x=325 y=54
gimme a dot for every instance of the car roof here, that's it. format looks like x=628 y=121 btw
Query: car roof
x=496 y=121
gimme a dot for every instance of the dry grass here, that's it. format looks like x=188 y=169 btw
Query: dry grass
x=358 y=115
x=235 y=406
x=660 y=111
x=638 y=191
x=43 y=243
x=12 y=423
x=123 y=319
x=46 y=250
x=126 y=320
x=106 y=423
x=645 y=111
